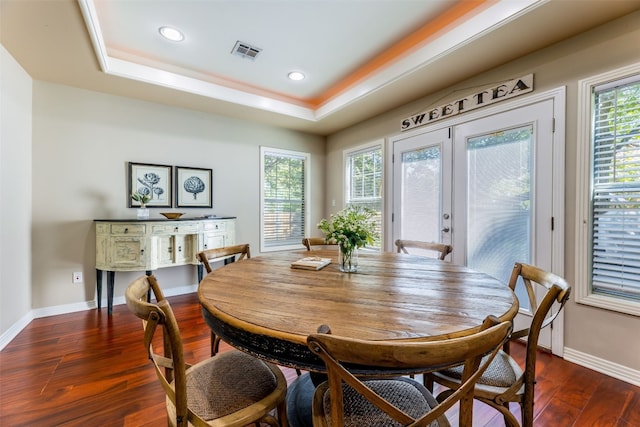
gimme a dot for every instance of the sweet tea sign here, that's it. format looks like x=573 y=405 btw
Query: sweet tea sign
x=477 y=99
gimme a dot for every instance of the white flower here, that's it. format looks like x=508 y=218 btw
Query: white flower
x=353 y=227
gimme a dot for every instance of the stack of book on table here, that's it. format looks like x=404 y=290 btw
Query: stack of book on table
x=311 y=263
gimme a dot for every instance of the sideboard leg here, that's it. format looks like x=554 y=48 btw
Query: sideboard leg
x=200 y=272
x=148 y=273
x=99 y=287
x=111 y=280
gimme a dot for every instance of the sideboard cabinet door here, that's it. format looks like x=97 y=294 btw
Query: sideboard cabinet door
x=127 y=253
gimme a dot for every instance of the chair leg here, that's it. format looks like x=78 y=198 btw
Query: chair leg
x=427 y=381
x=510 y=420
x=526 y=411
x=215 y=344
x=465 y=417
x=281 y=410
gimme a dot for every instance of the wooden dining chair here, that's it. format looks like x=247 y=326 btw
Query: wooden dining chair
x=505 y=381
x=440 y=248
x=310 y=242
x=357 y=395
x=226 y=254
x=232 y=389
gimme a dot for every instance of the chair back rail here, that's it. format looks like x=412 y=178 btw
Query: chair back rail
x=309 y=242
x=238 y=252
x=340 y=354
x=442 y=249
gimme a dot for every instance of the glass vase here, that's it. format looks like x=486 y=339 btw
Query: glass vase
x=347 y=259
x=142 y=213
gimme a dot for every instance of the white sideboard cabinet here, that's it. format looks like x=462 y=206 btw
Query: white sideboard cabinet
x=146 y=245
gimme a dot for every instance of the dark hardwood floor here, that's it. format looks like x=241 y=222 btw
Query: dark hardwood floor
x=89 y=369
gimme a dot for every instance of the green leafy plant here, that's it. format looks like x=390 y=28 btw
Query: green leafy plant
x=352 y=227
x=142 y=198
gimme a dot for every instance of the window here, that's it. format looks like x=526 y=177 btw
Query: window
x=284 y=187
x=610 y=200
x=363 y=181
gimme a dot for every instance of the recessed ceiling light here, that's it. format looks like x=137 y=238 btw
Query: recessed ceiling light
x=172 y=34
x=296 y=75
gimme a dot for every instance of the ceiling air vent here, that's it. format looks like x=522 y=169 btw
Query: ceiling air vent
x=245 y=50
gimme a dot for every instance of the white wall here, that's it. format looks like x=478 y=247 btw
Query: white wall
x=594 y=337
x=82 y=141
x=15 y=195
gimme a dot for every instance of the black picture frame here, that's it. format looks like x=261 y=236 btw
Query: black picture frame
x=193 y=187
x=152 y=179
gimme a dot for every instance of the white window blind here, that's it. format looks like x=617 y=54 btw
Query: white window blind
x=364 y=182
x=284 y=176
x=615 y=200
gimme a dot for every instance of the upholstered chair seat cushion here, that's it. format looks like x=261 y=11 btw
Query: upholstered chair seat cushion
x=227 y=383
x=408 y=395
x=502 y=372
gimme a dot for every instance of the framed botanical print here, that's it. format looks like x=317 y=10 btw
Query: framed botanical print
x=152 y=181
x=193 y=187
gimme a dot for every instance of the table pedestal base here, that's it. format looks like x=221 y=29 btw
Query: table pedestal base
x=299 y=398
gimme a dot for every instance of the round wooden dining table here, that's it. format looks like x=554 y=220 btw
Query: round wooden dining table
x=266 y=308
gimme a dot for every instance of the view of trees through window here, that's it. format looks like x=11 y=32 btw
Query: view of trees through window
x=283 y=212
x=364 y=182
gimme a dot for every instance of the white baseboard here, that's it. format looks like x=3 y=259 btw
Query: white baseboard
x=62 y=309
x=170 y=292
x=614 y=370
x=17 y=327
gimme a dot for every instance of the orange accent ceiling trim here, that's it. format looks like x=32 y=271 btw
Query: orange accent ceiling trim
x=462 y=9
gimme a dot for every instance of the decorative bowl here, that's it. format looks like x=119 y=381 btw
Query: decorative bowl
x=172 y=215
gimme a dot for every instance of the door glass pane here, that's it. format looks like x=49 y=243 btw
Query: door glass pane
x=420 y=194
x=499 y=202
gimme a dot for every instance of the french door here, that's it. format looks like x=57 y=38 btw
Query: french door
x=486 y=187
x=422 y=195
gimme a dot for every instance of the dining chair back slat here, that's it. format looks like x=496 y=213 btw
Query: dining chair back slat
x=356 y=377
x=441 y=249
x=310 y=242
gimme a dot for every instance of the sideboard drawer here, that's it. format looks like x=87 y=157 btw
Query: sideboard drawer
x=209 y=226
x=130 y=229
x=175 y=228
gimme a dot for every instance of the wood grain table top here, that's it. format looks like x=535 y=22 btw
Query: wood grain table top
x=255 y=303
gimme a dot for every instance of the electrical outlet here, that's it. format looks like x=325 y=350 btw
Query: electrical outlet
x=77 y=277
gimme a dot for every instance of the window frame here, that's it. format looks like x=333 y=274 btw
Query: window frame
x=306 y=157
x=584 y=222
x=346 y=181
